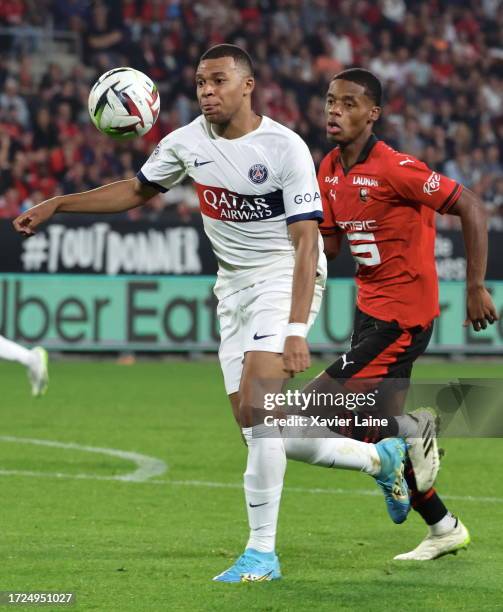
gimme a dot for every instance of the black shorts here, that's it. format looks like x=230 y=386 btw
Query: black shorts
x=380 y=349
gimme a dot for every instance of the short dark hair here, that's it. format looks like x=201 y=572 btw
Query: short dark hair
x=365 y=78
x=239 y=55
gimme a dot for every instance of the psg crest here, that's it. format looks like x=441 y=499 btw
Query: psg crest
x=258 y=174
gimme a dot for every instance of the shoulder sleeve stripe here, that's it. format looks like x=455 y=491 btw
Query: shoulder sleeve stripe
x=315 y=214
x=452 y=198
x=143 y=179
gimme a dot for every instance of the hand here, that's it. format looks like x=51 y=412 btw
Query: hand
x=479 y=309
x=27 y=222
x=296 y=356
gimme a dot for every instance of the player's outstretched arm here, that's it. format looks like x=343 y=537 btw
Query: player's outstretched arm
x=112 y=198
x=305 y=239
x=480 y=308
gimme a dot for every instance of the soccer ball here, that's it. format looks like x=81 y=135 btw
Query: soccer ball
x=124 y=103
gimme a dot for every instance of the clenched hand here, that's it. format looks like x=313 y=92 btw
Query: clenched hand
x=28 y=222
x=480 y=309
x=296 y=356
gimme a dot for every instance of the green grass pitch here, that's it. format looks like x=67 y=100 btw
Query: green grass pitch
x=155 y=545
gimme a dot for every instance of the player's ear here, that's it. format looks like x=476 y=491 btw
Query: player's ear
x=375 y=113
x=249 y=86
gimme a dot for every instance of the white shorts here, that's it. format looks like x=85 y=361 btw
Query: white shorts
x=255 y=319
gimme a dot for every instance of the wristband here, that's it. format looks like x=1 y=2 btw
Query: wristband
x=296 y=329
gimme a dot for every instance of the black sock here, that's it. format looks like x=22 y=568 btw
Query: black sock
x=390 y=430
x=427 y=504
x=370 y=433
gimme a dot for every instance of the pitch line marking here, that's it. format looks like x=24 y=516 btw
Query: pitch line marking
x=335 y=491
x=233 y=485
x=149 y=467
x=146 y=467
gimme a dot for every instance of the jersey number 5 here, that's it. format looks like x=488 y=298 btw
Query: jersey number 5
x=372 y=256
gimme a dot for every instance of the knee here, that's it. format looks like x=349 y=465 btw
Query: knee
x=245 y=413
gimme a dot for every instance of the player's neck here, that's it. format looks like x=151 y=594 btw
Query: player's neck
x=351 y=151
x=240 y=125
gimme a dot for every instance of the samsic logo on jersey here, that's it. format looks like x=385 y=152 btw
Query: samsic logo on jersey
x=432 y=184
x=219 y=203
x=358 y=226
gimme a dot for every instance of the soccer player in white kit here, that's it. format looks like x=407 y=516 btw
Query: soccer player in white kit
x=261 y=206
x=35 y=361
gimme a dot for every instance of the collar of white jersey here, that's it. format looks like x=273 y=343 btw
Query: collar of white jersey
x=258 y=129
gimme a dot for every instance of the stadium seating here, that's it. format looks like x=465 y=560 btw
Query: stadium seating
x=442 y=65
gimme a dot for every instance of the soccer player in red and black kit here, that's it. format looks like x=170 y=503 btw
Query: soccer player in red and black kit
x=384 y=202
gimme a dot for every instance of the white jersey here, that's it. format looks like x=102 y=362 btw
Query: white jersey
x=250 y=189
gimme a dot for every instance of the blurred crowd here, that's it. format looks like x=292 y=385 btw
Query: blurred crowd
x=441 y=63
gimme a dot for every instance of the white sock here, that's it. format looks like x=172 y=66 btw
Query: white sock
x=15 y=352
x=263 y=484
x=444 y=525
x=408 y=427
x=333 y=453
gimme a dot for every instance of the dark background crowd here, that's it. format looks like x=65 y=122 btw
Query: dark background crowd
x=441 y=63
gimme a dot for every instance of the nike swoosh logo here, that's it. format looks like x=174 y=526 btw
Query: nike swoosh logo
x=257 y=337
x=406 y=161
x=257 y=505
x=198 y=163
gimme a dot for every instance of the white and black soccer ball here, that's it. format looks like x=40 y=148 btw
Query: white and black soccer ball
x=124 y=103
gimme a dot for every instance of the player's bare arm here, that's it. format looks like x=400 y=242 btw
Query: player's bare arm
x=332 y=244
x=115 y=197
x=304 y=235
x=480 y=308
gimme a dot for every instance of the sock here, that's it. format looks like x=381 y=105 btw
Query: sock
x=370 y=433
x=444 y=525
x=263 y=484
x=427 y=504
x=407 y=426
x=333 y=453
x=15 y=352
